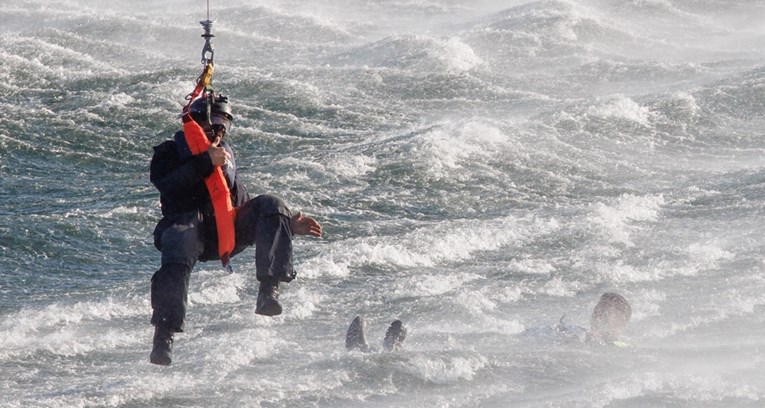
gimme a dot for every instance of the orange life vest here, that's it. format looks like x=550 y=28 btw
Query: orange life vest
x=225 y=213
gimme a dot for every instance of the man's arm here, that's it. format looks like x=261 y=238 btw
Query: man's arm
x=176 y=179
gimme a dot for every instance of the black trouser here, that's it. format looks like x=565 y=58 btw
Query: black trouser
x=263 y=221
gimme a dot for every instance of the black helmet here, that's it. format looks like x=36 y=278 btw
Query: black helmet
x=218 y=106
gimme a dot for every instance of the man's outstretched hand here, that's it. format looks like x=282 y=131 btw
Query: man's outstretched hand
x=302 y=225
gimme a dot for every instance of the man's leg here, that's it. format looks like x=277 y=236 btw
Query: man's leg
x=265 y=222
x=169 y=287
x=181 y=246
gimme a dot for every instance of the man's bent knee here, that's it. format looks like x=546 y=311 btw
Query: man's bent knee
x=271 y=205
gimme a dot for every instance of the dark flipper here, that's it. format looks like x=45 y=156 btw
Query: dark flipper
x=394 y=336
x=356 y=338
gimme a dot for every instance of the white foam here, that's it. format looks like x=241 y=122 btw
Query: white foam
x=444 y=370
x=444 y=151
x=429 y=245
x=699 y=387
x=118 y=100
x=722 y=306
x=619 y=273
x=647 y=304
x=119 y=210
x=458 y=56
x=620 y=219
x=680 y=107
x=351 y=166
x=624 y=108
x=532 y=266
x=432 y=285
x=220 y=356
x=706 y=255
x=63 y=314
x=507 y=294
x=475 y=301
x=64 y=329
x=216 y=287
x=561 y=288
x=304 y=303
x=45 y=58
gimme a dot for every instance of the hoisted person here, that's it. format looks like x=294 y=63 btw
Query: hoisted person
x=188 y=231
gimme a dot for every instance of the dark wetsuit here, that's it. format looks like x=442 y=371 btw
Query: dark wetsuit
x=187 y=232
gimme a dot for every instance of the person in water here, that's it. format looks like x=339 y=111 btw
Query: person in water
x=609 y=318
x=187 y=231
x=356 y=337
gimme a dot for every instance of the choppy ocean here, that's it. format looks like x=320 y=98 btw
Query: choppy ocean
x=480 y=168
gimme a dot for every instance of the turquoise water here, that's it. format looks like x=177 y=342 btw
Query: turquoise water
x=480 y=169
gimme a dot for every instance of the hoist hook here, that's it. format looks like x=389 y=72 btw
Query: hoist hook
x=207 y=51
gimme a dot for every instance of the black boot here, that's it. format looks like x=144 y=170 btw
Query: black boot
x=394 y=336
x=356 y=337
x=162 y=353
x=268 y=299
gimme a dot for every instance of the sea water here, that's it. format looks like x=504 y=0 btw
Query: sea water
x=480 y=169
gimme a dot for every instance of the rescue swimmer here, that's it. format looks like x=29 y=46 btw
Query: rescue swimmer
x=207 y=213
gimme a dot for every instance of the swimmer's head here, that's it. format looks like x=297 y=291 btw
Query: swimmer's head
x=609 y=318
